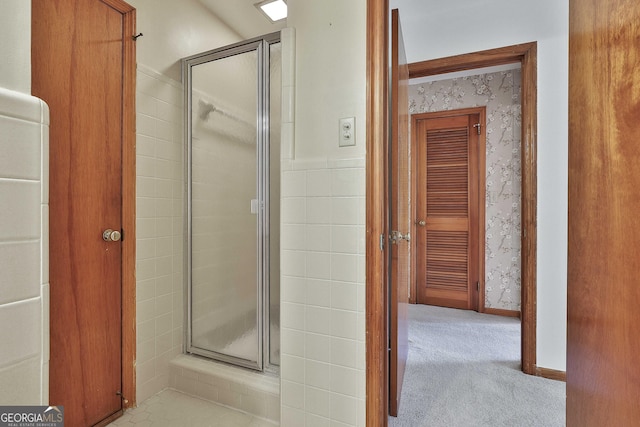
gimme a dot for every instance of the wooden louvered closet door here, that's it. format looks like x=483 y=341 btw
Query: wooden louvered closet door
x=448 y=211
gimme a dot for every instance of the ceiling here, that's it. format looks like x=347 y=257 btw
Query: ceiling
x=243 y=17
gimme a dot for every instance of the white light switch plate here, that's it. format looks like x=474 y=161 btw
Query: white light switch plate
x=347 y=132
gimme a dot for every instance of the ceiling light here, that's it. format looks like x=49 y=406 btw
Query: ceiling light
x=275 y=10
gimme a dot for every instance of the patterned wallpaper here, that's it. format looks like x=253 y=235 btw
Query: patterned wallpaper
x=500 y=93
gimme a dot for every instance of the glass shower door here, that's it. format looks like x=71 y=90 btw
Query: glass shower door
x=227 y=202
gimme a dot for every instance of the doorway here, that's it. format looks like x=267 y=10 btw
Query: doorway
x=377 y=113
x=526 y=55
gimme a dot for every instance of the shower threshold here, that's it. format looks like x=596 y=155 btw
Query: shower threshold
x=256 y=393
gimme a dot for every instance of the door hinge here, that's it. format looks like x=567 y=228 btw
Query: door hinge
x=382 y=242
x=396 y=236
x=478 y=126
x=478 y=286
x=124 y=399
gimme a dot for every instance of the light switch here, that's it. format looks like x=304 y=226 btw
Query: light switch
x=347 y=132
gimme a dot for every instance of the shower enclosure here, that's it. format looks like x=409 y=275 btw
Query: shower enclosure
x=232 y=98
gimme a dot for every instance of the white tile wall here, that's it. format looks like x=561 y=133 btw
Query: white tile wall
x=159 y=286
x=323 y=364
x=24 y=253
x=322 y=310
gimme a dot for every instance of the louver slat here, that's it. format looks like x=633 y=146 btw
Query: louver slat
x=447 y=173
x=447 y=198
x=447 y=260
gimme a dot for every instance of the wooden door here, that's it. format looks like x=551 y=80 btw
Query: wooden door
x=449 y=246
x=78 y=68
x=603 y=292
x=398 y=215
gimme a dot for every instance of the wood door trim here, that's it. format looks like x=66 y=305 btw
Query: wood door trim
x=377 y=115
x=529 y=205
x=128 y=205
x=470 y=61
x=377 y=373
x=502 y=312
x=551 y=374
x=482 y=143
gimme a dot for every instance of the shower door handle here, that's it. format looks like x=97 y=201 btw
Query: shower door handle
x=110 y=235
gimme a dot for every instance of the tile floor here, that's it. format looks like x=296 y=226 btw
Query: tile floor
x=170 y=408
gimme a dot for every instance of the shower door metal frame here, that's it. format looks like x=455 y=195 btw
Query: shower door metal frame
x=261 y=45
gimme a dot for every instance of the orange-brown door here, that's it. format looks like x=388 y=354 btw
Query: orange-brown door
x=398 y=215
x=603 y=292
x=449 y=249
x=77 y=68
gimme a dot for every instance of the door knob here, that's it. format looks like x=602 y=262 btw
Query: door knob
x=421 y=223
x=110 y=235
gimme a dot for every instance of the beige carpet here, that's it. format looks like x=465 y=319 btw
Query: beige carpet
x=464 y=370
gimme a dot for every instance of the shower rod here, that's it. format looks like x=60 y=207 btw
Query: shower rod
x=206 y=108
